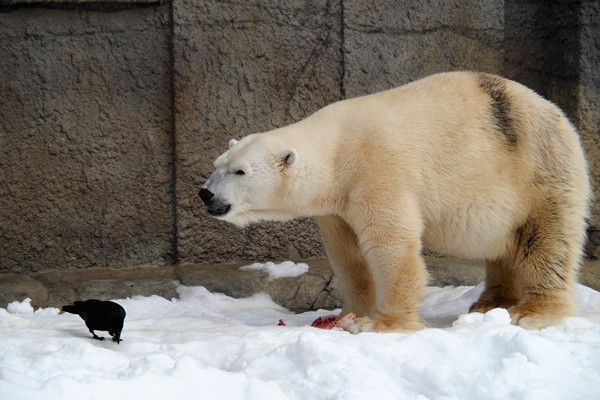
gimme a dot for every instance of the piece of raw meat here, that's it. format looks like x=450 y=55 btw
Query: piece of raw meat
x=340 y=323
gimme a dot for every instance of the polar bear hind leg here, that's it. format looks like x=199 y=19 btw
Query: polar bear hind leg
x=501 y=287
x=537 y=284
x=547 y=260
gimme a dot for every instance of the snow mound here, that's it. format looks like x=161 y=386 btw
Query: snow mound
x=286 y=269
x=211 y=346
x=20 y=307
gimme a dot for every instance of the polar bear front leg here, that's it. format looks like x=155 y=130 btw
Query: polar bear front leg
x=399 y=286
x=391 y=245
x=348 y=265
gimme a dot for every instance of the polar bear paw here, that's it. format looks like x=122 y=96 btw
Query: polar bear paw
x=381 y=323
x=540 y=314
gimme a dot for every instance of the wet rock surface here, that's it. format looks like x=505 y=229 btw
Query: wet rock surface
x=318 y=288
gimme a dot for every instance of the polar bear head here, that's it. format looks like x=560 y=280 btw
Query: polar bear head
x=251 y=181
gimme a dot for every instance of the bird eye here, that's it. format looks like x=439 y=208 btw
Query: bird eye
x=240 y=172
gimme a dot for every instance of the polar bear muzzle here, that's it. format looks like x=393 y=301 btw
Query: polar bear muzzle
x=214 y=206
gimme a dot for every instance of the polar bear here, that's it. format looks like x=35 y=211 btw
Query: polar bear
x=463 y=163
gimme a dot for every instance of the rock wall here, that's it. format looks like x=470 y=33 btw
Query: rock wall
x=246 y=67
x=587 y=91
x=111 y=113
x=387 y=44
x=554 y=48
x=85 y=137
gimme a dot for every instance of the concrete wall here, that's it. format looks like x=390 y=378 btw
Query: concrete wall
x=554 y=48
x=244 y=67
x=111 y=113
x=85 y=137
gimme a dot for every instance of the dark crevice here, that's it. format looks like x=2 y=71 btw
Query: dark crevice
x=342 y=53
x=173 y=142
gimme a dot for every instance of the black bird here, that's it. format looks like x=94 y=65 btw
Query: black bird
x=100 y=316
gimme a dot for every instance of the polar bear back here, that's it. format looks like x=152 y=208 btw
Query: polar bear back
x=473 y=148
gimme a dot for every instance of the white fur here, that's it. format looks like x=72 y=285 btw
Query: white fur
x=419 y=164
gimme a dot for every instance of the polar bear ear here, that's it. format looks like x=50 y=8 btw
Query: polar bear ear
x=232 y=143
x=288 y=158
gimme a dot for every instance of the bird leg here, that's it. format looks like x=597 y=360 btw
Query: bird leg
x=96 y=336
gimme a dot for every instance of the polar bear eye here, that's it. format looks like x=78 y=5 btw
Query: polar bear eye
x=240 y=172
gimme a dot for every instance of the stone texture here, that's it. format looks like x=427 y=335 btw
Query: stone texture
x=18 y=287
x=589 y=274
x=540 y=48
x=390 y=44
x=454 y=272
x=245 y=67
x=312 y=290
x=113 y=112
x=105 y=284
x=85 y=133
x=588 y=93
x=78 y=2
x=592 y=247
x=316 y=289
x=553 y=47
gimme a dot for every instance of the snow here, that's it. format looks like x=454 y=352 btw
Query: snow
x=286 y=269
x=210 y=346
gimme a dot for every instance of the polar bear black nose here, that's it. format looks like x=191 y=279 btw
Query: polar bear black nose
x=206 y=195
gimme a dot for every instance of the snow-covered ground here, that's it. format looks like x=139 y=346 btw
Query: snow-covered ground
x=210 y=346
